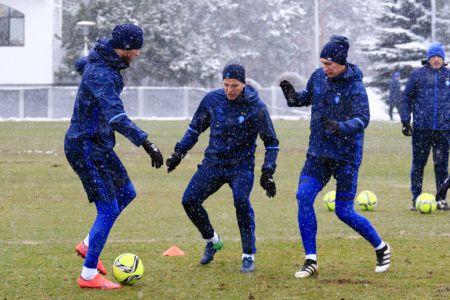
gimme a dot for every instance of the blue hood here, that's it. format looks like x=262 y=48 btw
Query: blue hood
x=80 y=64
x=102 y=52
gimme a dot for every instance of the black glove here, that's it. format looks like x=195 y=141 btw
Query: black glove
x=268 y=184
x=155 y=154
x=332 y=126
x=173 y=161
x=289 y=92
x=406 y=129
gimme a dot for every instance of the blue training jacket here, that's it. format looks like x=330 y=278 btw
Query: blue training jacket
x=395 y=93
x=234 y=126
x=98 y=110
x=427 y=97
x=343 y=99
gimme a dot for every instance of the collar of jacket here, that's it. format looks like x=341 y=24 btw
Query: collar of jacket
x=426 y=63
x=103 y=51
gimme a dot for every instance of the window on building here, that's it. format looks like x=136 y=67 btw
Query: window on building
x=12 y=27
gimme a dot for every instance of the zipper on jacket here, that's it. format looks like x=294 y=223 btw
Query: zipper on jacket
x=435 y=97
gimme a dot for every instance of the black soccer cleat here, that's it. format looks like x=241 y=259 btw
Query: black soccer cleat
x=310 y=268
x=383 y=259
x=442 y=205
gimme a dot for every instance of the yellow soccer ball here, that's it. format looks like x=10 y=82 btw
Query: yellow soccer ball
x=426 y=203
x=329 y=200
x=128 y=268
x=367 y=201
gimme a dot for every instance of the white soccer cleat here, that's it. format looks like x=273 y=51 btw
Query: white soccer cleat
x=310 y=268
x=383 y=259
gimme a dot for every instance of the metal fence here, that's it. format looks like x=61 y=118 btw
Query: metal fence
x=56 y=102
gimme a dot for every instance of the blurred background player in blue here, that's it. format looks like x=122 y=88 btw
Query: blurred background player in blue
x=339 y=115
x=90 y=139
x=395 y=94
x=235 y=116
x=427 y=98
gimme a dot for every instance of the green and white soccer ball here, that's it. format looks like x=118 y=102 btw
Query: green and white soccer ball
x=426 y=203
x=367 y=201
x=128 y=268
x=329 y=200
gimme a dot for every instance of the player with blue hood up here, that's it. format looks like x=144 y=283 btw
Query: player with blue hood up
x=99 y=113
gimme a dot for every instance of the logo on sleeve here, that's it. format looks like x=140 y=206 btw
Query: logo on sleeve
x=241 y=119
x=447 y=82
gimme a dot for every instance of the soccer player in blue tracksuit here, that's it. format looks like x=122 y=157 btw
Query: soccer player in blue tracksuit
x=235 y=116
x=339 y=115
x=90 y=139
x=427 y=97
x=395 y=94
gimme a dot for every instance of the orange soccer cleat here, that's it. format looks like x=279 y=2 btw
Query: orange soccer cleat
x=99 y=282
x=81 y=250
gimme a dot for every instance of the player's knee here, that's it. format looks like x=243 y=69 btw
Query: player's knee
x=305 y=200
x=242 y=204
x=109 y=215
x=189 y=200
x=127 y=192
x=344 y=214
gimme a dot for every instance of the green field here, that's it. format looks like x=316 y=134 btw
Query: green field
x=44 y=214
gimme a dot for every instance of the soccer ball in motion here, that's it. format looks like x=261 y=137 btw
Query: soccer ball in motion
x=426 y=203
x=367 y=201
x=128 y=268
x=329 y=200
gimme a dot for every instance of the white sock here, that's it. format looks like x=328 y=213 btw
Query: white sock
x=88 y=273
x=214 y=239
x=311 y=256
x=252 y=256
x=380 y=246
x=86 y=241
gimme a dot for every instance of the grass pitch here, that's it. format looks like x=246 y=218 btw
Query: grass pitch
x=44 y=214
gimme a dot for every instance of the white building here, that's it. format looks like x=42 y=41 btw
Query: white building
x=30 y=41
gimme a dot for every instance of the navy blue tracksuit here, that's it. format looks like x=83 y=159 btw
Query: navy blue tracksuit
x=343 y=99
x=229 y=158
x=89 y=141
x=427 y=98
x=395 y=96
x=98 y=113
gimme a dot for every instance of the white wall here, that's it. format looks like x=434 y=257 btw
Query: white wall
x=32 y=63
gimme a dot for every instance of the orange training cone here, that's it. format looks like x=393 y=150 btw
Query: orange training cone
x=173 y=251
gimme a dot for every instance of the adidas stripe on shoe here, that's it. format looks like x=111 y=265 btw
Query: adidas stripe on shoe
x=383 y=259
x=310 y=268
